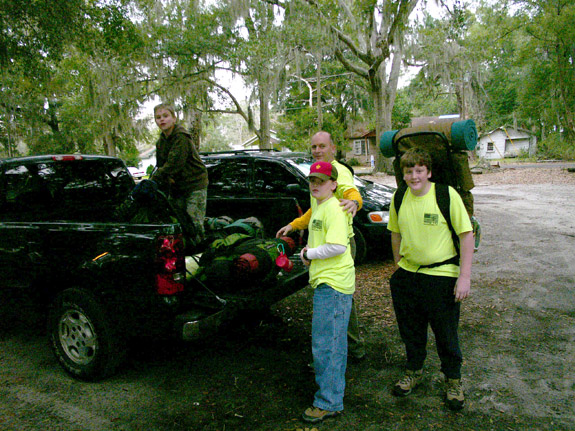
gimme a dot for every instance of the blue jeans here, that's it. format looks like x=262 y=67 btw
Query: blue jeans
x=331 y=311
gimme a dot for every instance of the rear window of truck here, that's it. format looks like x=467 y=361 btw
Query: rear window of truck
x=77 y=190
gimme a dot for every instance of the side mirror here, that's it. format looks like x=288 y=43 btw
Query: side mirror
x=296 y=189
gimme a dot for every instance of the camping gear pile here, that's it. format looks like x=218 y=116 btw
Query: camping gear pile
x=238 y=257
x=235 y=255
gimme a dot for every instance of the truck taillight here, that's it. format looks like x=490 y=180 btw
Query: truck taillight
x=171 y=265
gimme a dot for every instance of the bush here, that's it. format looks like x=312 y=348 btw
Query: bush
x=353 y=162
x=524 y=155
x=556 y=147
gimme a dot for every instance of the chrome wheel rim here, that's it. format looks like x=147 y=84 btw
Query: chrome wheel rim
x=77 y=337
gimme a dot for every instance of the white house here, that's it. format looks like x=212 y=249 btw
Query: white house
x=506 y=142
x=253 y=143
x=147 y=158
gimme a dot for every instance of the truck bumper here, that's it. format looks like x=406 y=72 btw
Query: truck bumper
x=193 y=327
x=198 y=324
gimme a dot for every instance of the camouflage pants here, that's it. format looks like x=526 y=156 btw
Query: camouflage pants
x=195 y=206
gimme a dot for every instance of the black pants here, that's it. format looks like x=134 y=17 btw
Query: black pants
x=420 y=300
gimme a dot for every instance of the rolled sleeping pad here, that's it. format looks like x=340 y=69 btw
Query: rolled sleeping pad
x=464 y=135
x=253 y=262
x=246 y=263
x=386 y=143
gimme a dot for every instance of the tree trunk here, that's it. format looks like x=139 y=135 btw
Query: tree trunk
x=264 y=134
x=383 y=124
x=461 y=103
x=109 y=143
x=195 y=120
x=318 y=94
x=383 y=92
x=567 y=120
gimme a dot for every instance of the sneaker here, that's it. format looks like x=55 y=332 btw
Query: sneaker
x=454 y=397
x=315 y=414
x=407 y=383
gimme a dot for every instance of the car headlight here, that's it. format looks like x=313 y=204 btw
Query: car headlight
x=378 y=217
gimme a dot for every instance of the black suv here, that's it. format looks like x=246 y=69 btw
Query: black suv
x=273 y=187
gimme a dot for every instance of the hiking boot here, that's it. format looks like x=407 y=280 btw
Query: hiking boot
x=407 y=383
x=315 y=415
x=454 y=397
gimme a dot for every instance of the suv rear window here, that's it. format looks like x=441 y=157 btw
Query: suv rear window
x=272 y=178
x=228 y=177
x=84 y=190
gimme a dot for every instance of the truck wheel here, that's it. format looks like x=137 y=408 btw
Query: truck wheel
x=82 y=336
x=360 y=246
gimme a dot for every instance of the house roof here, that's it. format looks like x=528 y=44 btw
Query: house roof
x=506 y=128
x=359 y=131
x=254 y=139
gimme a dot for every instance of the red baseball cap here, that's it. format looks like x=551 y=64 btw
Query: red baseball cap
x=323 y=170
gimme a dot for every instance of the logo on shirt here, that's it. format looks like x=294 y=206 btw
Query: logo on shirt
x=316 y=225
x=430 y=219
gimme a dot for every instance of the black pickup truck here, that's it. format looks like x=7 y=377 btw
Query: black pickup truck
x=103 y=279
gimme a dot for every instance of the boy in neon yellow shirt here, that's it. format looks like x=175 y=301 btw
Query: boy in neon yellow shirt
x=428 y=287
x=332 y=275
x=323 y=149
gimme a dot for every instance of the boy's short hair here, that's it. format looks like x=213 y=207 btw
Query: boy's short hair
x=415 y=156
x=167 y=107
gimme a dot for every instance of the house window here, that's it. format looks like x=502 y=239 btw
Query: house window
x=490 y=147
x=359 y=147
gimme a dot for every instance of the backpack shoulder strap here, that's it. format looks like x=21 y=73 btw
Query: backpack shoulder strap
x=398 y=197
x=444 y=203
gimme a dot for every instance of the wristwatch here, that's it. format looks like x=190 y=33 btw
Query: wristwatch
x=356 y=203
x=305 y=255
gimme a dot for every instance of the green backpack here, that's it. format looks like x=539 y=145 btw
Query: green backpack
x=447 y=143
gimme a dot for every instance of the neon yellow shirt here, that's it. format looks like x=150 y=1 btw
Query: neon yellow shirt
x=425 y=235
x=329 y=224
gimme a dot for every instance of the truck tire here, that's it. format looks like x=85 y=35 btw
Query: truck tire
x=82 y=336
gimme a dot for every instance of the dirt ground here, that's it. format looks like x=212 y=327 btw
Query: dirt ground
x=517 y=331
